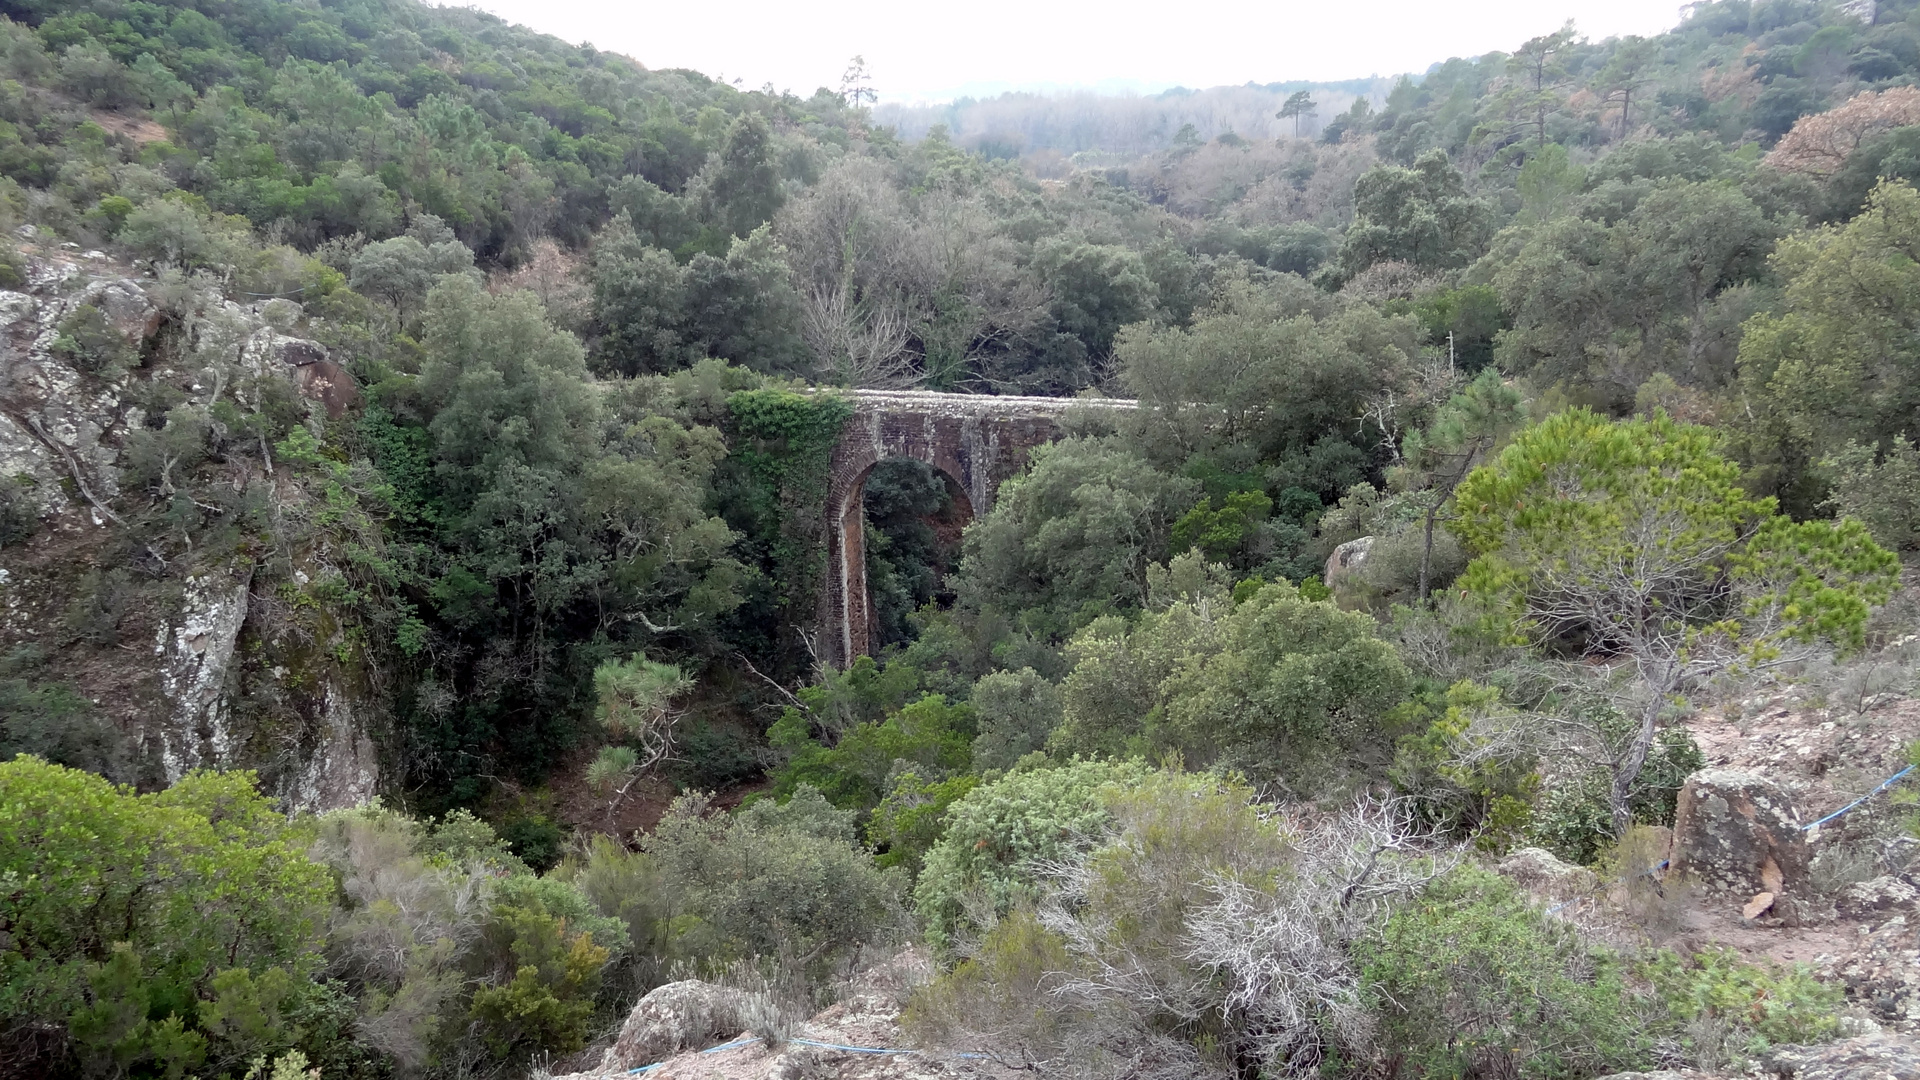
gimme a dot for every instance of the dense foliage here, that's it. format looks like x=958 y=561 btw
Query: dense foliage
x=1486 y=428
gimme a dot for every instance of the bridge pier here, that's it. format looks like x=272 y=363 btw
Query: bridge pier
x=976 y=440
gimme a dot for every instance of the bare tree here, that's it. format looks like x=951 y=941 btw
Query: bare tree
x=858 y=343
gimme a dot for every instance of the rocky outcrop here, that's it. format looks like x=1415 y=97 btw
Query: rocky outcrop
x=1736 y=834
x=1879 y=1056
x=195 y=652
x=199 y=655
x=1543 y=874
x=659 y=1033
x=1346 y=560
x=314 y=373
x=1880 y=898
x=680 y=1015
x=56 y=426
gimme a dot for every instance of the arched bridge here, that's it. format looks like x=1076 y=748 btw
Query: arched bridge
x=978 y=441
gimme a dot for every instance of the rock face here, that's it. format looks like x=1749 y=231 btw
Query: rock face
x=661 y=1032
x=195 y=652
x=1736 y=834
x=1346 y=560
x=318 y=378
x=1878 y=899
x=197 y=655
x=1867 y=1057
x=675 y=1017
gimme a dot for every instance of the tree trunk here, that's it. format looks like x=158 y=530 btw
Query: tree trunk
x=1627 y=769
x=1426 y=550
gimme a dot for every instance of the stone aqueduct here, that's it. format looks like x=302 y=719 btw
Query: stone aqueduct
x=977 y=441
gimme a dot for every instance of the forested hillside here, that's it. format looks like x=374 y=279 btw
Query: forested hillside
x=414 y=436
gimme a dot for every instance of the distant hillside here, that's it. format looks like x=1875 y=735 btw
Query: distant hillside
x=1014 y=124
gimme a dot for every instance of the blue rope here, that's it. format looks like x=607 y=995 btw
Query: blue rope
x=709 y=1050
x=1884 y=785
x=850 y=1049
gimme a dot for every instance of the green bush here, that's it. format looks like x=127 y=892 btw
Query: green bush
x=19 y=511
x=541 y=953
x=92 y=345
x=995 y=832
x=1015 y=711
x=1752 y=1007
x=536 y=839
x=1881 y=490
x=1472 y=979
x=1276 y=685
x=168 y=929
x=910 y=820
x=771 y=879
x=1466 y=782
x=931 y=734
x=52 y=720
x=1572 y=819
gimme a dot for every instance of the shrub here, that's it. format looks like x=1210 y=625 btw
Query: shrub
x=772 y=877
x=19 y=511
x=931 y=734
x=541 y=951
x=1276 y=684
x=142 y=906
x=981 y=867
x=911 y=818
x=91 y=344
x=536 y=839
x=52 y=720
x=1473 y=980
x=1196 y=930
x=1727 y=1005
x=1016 y=711
x=1472 y=771
x=1572 y=819
x=629 y=886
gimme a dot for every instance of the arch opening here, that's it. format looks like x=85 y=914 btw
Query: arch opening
x=914 y=514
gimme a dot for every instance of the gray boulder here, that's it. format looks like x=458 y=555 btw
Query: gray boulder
x=1736 y=834
x=1879 y=1056
x=678 y=1016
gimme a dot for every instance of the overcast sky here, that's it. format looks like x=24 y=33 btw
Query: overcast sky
x=933 y=51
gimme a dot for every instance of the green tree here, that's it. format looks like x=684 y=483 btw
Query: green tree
x=998 y=831
x=1626 y=72
x=1471 y=424
x=1274 y=684
x=1841 y=361
x=1881 y=491
x=636 y=708
x=774 y=879
x=1638 y=537
x=1256 y=379
x=1096 y=289
x=1536 y=92
x=1073 y=536
x=1015 y=712
x=1421 y=215
x=1299 y=107
x=1612 y=304
x=740 y=188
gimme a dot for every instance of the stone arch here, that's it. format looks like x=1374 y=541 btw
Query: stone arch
x=976 y=441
